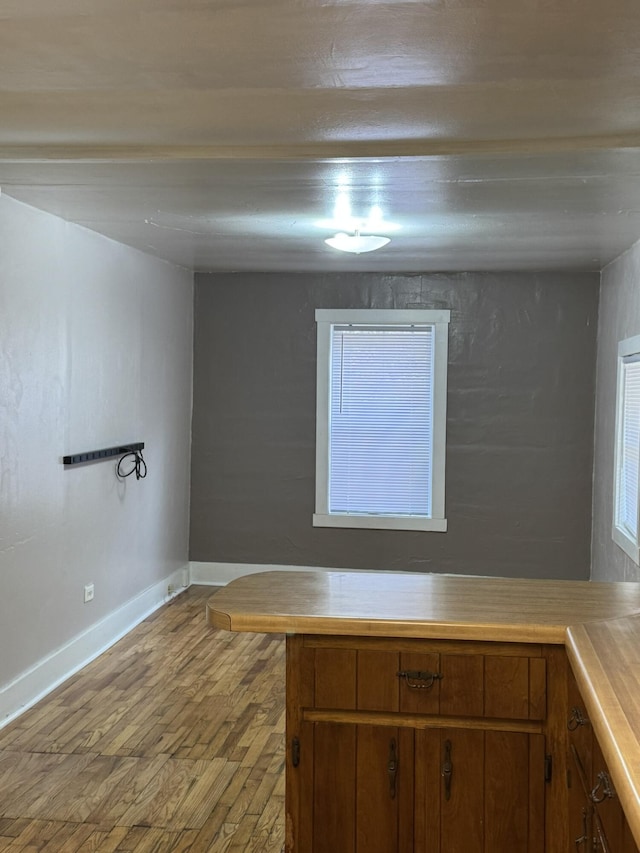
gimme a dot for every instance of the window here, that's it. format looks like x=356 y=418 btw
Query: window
x=627 y=450
x=381 y=419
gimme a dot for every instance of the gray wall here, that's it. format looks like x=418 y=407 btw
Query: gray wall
x=619 y=319
x=519 y=427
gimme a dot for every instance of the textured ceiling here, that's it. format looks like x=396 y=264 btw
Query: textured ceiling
x=219 y=135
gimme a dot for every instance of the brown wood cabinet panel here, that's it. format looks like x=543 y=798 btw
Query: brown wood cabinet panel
x=300 y=784
x=580 y=736
x=511 y=783
x=428 y=768
x=506 y=687
x=537 y=688
x=622 y=842
x=599 y=840
x=335 y=678
x=378 y=789
x=628 y=842
x=494 y=799
x=579 y=805
x=362 y=798
x=378 y=683
x=596 y=819
x=506 y=798
x=461 y=688
x=537 y=795
x=461 y=824
x=334 y=789
x=603 y=795
x=581 y=829
x=299 y=780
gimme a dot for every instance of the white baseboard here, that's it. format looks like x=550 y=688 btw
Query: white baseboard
x=48 y=673
x=220 y=574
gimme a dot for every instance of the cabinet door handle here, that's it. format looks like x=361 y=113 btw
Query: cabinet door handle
x=419 y=679
x=392 y=768
x=447 y=769
x=576 y=719
x=295 y=751
x=603 y=789
x=585 y=835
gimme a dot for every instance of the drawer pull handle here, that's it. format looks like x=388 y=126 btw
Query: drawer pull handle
x=576 y=719
x=603 y=789
x=447 y=769
x=392 y=768
x=418 y=679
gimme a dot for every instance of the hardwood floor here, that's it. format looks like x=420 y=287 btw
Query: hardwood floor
x=173 y=740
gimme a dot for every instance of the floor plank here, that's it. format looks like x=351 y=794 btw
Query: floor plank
x=172 y=740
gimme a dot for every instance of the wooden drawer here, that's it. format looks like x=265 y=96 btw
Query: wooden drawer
x=446 y=679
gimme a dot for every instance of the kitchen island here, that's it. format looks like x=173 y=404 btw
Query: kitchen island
x=433 y=712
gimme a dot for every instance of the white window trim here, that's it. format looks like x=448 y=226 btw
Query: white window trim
x=325 y=318
x=631 y=547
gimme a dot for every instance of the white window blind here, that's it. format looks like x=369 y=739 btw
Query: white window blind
x=629 y=448
x=381 y=420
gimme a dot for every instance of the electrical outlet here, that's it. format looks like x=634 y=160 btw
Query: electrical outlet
x=88 y=593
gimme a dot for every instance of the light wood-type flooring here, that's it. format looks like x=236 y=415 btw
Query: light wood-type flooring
x=172 y=740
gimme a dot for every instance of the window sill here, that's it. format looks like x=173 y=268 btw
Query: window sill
x=627 y=544
x=381 y=522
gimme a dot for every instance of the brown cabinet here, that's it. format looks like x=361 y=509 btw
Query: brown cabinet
x=596 y=819
x=494 y=691
x=412 y=745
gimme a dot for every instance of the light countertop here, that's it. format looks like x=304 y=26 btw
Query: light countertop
x=394 y=604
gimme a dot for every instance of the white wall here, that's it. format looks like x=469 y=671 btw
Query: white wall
x=95 y=350
x=619 y=318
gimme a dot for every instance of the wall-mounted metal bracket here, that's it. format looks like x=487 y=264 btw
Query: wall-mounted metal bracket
x=99 y=455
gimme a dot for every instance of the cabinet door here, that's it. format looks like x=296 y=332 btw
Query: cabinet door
x=581 y=828
x=580 y=735
x=596 y=819
x=479 y=791
x=628 y=842
x=362 y=789
x=607 y=804
x=602 y=843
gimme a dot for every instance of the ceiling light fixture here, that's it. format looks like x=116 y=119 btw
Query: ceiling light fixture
x=357 y=242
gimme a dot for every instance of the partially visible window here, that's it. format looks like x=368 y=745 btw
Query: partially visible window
x=627 y=450
x=381 y=419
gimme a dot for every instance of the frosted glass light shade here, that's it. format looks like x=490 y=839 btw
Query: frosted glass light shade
x=356 y=243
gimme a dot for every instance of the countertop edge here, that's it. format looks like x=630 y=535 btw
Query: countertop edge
x=218 y=618
x=287 y=624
